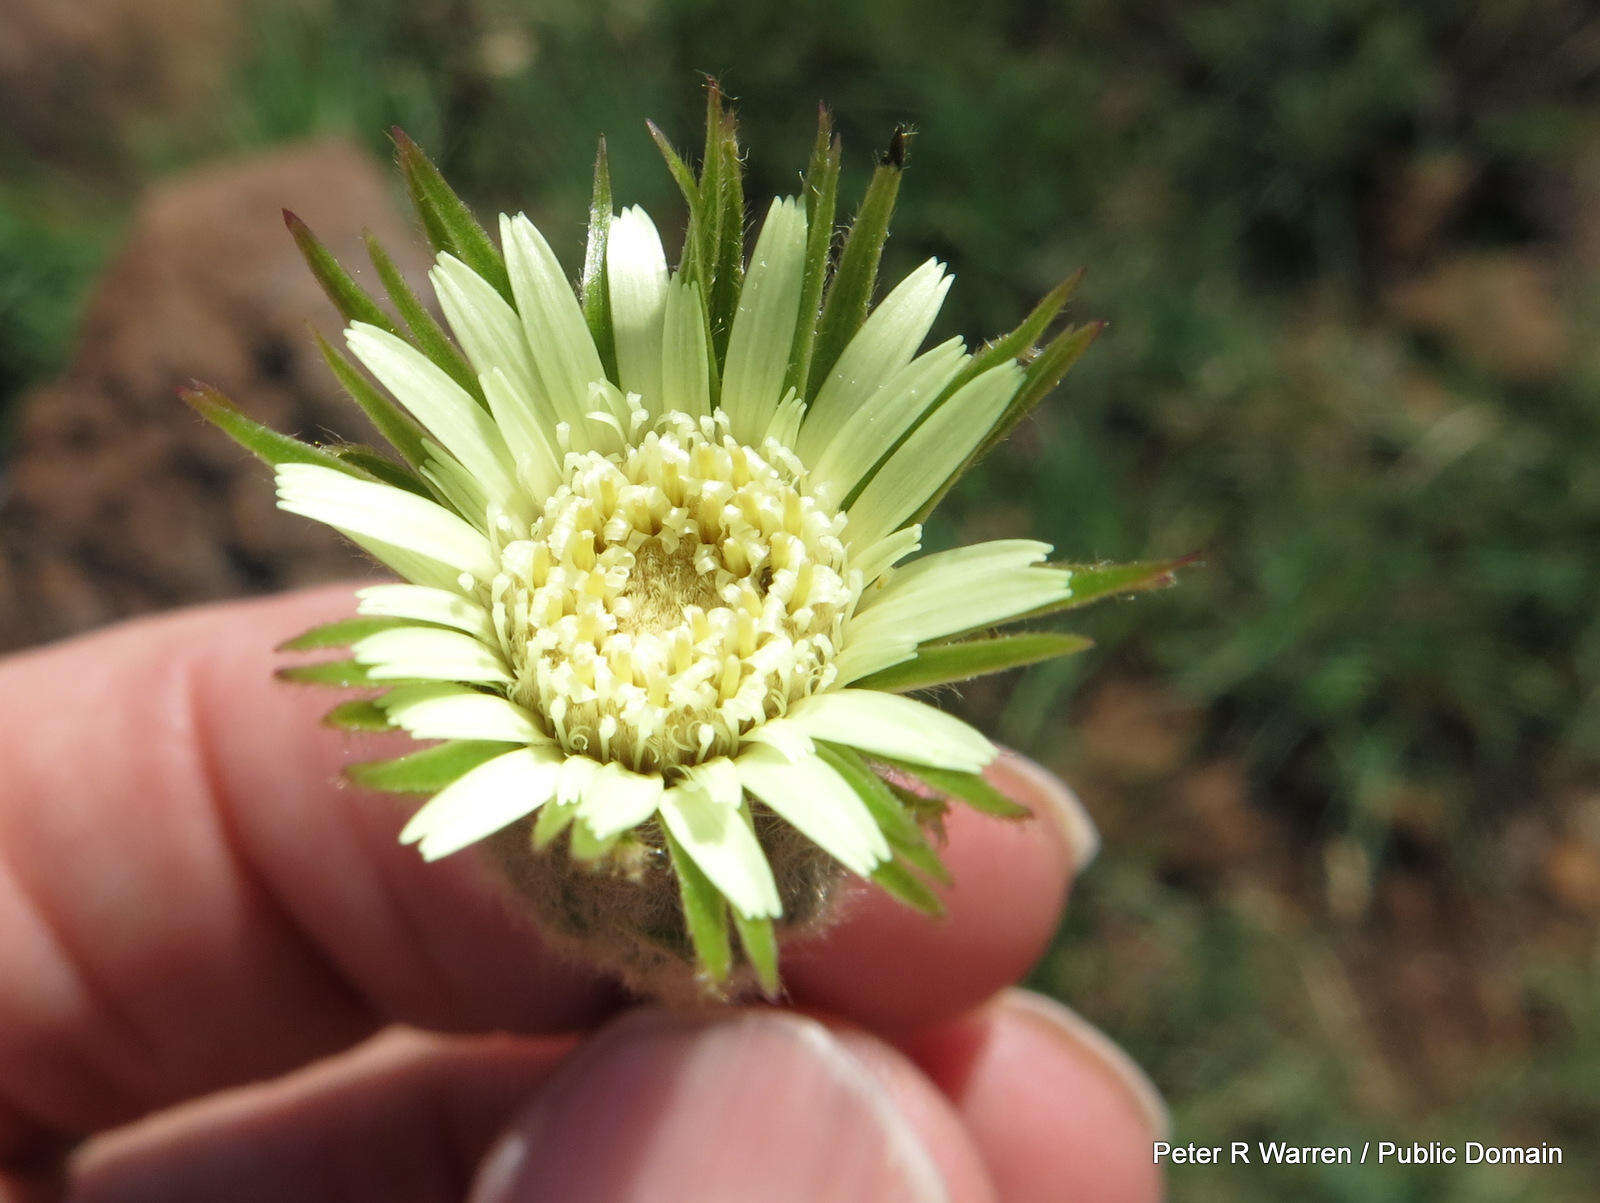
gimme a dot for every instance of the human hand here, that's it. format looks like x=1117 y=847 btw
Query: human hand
x=191 y=902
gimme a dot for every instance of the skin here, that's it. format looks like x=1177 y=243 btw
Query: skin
x=192 y=903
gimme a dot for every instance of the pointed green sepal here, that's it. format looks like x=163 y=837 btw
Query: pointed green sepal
x=897 y=879
x=351 y=300
x=942 y=663
x=449 y=224
x=1093 y=582
x=760 y=944
x=705 y=914
x=359 y=715
x=427 y=771
x=339 y=673
x=972 y=788
x=585 y=846
x=683 y=177
x=393 y=423
x=721 y=225
x=427 y=334
x=261 y=441
x=850 y=293
x=553 y=818
x=341 y=633
x=1019 y=342
x=595 y=290
x=1039 y=377
x=897 y=823
x=821 y=188
x=381 y=467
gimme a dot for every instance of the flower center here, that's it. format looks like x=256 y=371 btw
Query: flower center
x=671 y=596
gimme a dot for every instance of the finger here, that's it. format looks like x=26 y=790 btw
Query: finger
x=188 y=899
x=403 y=1118
x=747 y=1105
x=1057 y=1110
x=894 y=968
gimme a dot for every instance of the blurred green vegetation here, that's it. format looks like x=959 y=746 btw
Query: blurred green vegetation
x=1399 y=510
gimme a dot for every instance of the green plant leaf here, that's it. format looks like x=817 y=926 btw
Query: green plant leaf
x=449 y=224
x=595 y=290
x=261 y=441
x=897 y=879
x=341 y=632
x=392 y=422
x=427 y=334
x=705 y=913
x=351 y=300
x=427 y=771
x=340 y=673
x=821 y=189
x=972 y=788
x=850 y=293
x=359 y=715
x=941 y=663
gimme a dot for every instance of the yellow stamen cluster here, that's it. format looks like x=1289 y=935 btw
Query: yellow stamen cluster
x=672 y=595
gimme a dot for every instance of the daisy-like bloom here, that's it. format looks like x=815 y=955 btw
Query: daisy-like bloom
x=658 y=536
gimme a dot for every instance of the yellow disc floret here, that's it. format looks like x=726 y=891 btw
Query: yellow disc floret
x=672 y=595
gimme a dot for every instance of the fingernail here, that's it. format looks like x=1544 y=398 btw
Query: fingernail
x=747 y=1105
x=1097 y=1048
x=1048 y=797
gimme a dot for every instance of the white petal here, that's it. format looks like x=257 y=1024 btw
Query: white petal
x=481 y=802
x=867 y=653
x=460 y=490
x=781 y=734
x=617 y=800
x=719 y=779
x=934 y=450
x=869 y=432
x=636 y=268
x=961 y=590
x=453 y=712
x=685 y=368
x=763 y=328
x=488 y=329
x=882 y=347
x=819 y=803
x=872 y=562
x=529 y=436
x=563 y=352
x=429 y=654
x=382 y=512
x=576 y=773
x=439 y=606
x=439 y=403
x=892 y=726
x=717 y=839
x=415 y=568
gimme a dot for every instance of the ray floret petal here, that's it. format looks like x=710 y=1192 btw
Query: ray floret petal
x=657 y=539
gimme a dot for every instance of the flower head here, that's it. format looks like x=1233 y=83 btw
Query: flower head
x=656 y=535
